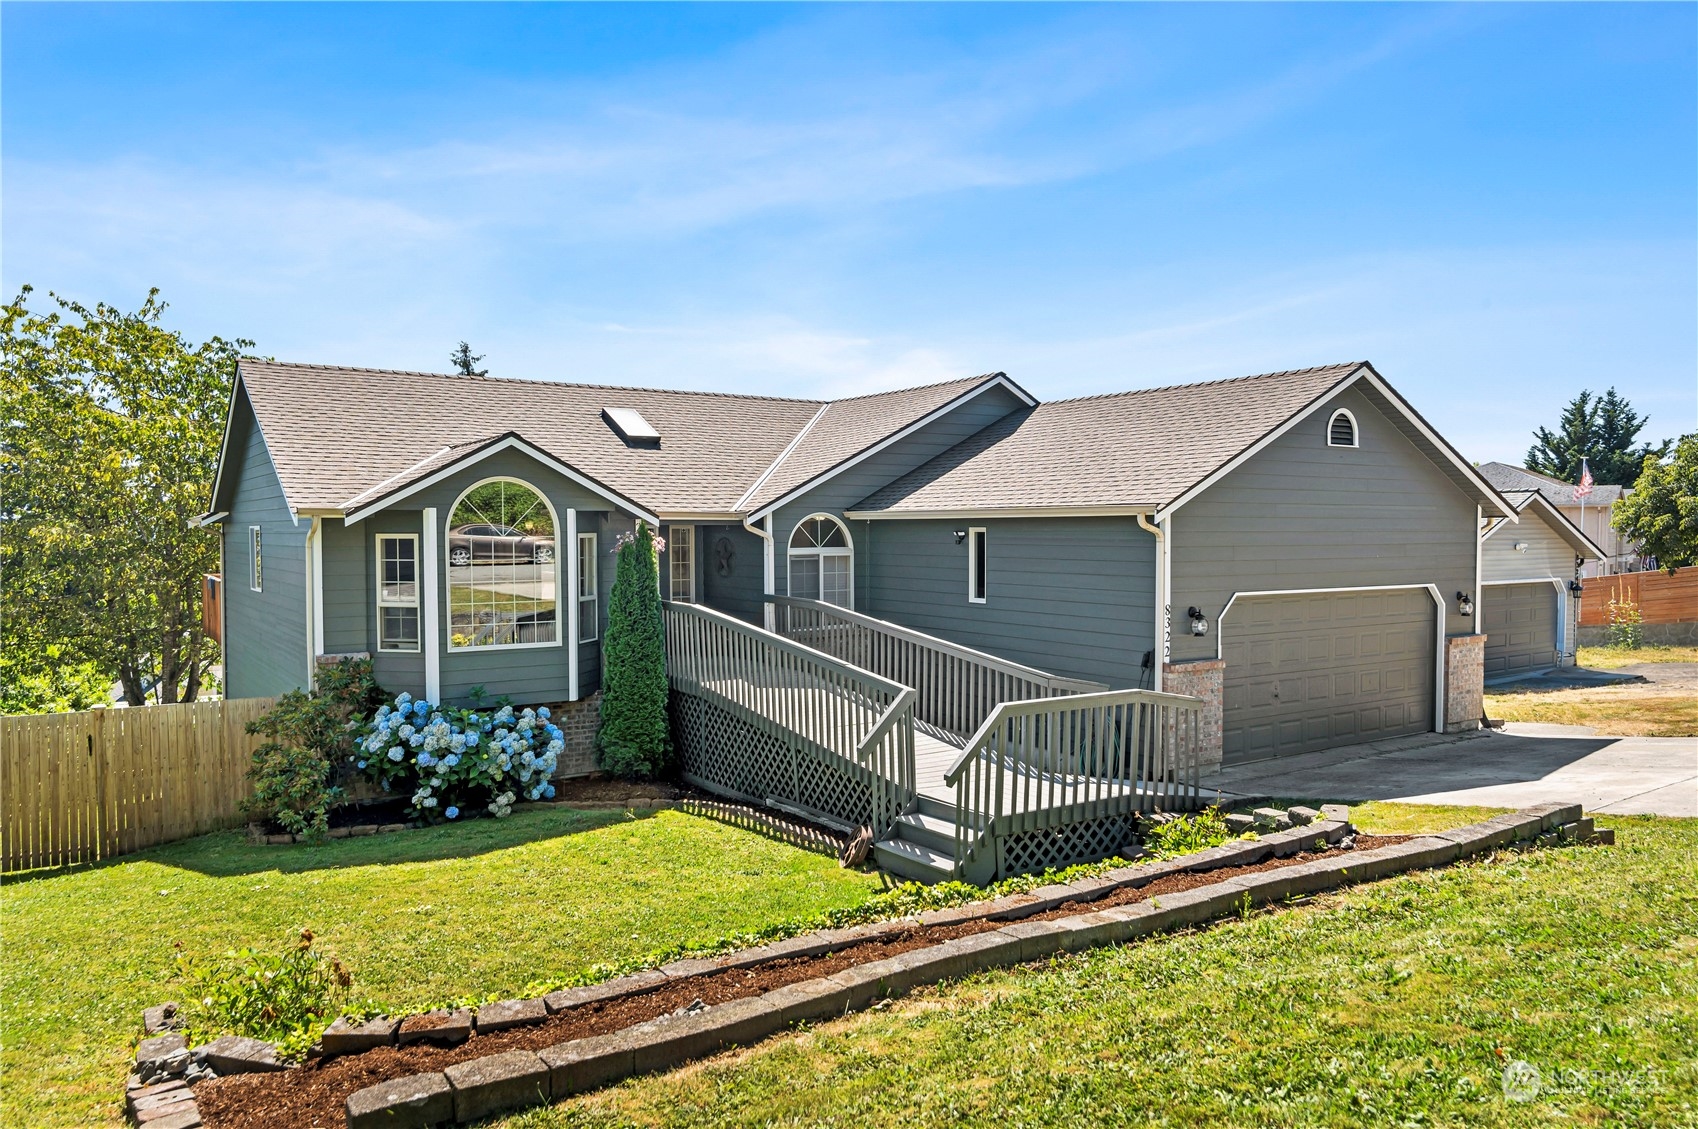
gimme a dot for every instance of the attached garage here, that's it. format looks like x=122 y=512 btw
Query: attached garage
x=1315 y=670
x=1520 y=622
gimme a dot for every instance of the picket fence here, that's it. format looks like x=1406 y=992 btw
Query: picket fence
x=79 y=787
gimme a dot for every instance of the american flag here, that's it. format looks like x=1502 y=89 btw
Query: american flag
x=1585 y=486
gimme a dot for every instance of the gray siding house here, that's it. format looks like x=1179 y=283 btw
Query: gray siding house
x=1300 y=550
x=1530 y=600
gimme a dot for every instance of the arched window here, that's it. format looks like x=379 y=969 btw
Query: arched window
x=822 y=563
x=503 y=567
x=1341 y=432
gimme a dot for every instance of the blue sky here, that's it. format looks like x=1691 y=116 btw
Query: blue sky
x=1497 y=204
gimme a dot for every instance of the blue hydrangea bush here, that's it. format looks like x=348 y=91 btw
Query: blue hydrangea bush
x=452 y=762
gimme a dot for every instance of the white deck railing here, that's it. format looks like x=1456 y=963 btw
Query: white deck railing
x=812 y=702
x=958 y=686
x=1083 y=761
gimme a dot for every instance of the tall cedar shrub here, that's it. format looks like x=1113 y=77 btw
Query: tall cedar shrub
x=633 y=741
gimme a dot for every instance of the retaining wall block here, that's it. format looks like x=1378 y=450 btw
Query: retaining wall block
x=188 y=1118
x=238 y=1054
x=347 y=1036
x=1428 y=851
x=451 y=1027
x=606 y=990
x=1014 y=907
x=866 y=982
x=1038 y=939
x=154 y=1050
x=1089 y=930
x=1554 y=814
x=146 y=1109
x=810 y=1000
x=587 y=1064
x=498 y=1083
x=509 y=1013
x=665 y=1042
x=690 y=966
x=418 y=1101
x=953 y=959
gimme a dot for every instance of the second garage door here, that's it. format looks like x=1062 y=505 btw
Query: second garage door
x=1520 y=625
x=1317 y=670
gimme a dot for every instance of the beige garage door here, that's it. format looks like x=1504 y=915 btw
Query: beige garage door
x=1318 y=670
x=1520 y=625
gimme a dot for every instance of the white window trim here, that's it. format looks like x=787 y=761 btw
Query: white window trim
x=559 y=573
x=594 y=598
x=256 y=577
x=848 y=551
x=418 y=588
x=975 y=536
x=1355 y=432
x=689 y=532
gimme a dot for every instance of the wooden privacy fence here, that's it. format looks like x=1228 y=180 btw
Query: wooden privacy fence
x=1662 y=598
x=85 y=786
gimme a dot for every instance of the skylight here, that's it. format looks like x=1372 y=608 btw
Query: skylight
x=631 y=425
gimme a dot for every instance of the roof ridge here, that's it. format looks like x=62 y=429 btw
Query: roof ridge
x=981 y=378
x=528 y=380
x=1344 y=365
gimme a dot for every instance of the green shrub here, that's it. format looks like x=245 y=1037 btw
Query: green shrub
x=286 y=998
x=311 y=733
x=633 y=741
x=1196 y=832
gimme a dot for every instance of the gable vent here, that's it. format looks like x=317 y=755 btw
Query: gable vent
x=629 y=425
x=1341 y=432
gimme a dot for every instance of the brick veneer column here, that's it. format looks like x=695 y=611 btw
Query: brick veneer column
x=1205 y=679
x=578 y=722
x=1464 y=682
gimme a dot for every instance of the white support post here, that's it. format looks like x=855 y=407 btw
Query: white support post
x=429 y=628
x=769 y=574
x=571 y=597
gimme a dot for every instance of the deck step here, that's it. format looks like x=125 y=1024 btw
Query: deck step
x=944 y=810
x=913 y=860
x=931 y=831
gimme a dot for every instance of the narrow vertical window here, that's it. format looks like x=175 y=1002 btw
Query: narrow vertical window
x=976 y=561
x=253 y=558
x=589 y=625
x=681 y=551
x=398 y=592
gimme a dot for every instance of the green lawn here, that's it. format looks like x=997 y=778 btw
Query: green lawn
x=1398 y=1003
x=421 y=917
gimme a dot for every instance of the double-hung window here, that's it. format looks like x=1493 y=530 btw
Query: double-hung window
x=977 y=559
x=681 y=551
x=253 y=558
x=398 y=592
x=588 y=621
x=822 y=561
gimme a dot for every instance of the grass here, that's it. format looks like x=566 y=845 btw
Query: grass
x=476 y=910
x=1610 y=712
x=1398 y=1003
x=1613 y=658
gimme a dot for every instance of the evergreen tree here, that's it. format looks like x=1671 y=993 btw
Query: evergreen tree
x=465 y=362
x=1600 y=430
x=633 y=741
x=1661 y=515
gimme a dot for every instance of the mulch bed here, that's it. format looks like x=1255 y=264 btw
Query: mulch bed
x=313 y=1096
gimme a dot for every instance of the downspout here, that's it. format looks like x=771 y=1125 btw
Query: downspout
x=315 y=598
x=768 y=570
x=1161 y=631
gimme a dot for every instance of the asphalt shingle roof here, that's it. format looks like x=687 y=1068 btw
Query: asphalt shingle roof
x=1128 y=449
x=1513 y=478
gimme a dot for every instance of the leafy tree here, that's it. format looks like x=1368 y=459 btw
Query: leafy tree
x=633 y=740
x=1600 y=430
x=1661 y=515
x=465 y=362
x=113 y=427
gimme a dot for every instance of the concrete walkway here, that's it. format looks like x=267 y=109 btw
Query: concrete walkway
x=1521 y=766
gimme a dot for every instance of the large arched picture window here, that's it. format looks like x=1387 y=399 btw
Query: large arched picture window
x=822 y=562
x=503 y=567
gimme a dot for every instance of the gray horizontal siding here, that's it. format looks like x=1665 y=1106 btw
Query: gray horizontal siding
x=1071 y=596
x=1302 y=515
x=1548 y=556
x=266 y=649
x=729 y=579
x=850 y=486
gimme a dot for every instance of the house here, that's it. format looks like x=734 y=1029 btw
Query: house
x=1590 y=515
x=1300 y=550
x=1530 y=595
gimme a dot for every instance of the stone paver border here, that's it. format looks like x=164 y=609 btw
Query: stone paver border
x=513 y=1079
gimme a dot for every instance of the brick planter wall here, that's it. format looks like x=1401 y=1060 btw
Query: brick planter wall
x=1205 y=679
x=1464 y=682
x=577 y=721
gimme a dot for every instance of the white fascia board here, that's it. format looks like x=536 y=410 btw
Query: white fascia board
x=782 y=455
x=511 y=443
x=1003 y=512
x=699 y=517
x=1366 y=373
x=224 y=440
x=999 y=381
x=1565 y=528
x=208 y=519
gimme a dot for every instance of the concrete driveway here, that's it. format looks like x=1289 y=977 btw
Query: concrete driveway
x=1522 y=765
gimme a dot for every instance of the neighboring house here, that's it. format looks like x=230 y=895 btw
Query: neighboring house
x=1299 y=549
x=1592 y=518
x=1530 y=599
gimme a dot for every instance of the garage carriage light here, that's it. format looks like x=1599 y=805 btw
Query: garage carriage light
x=1576 y=589
x=1199 y=622
x=1464 y=604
